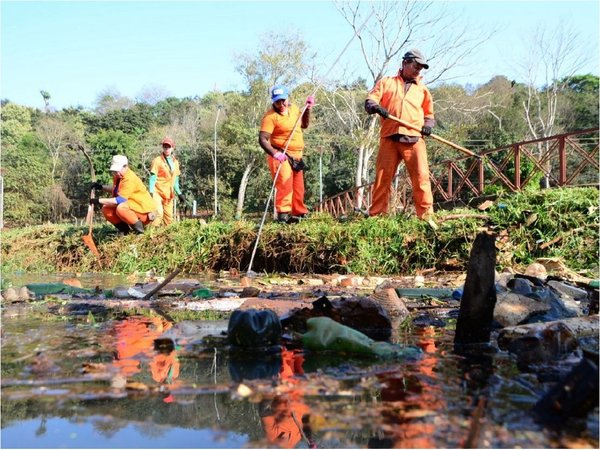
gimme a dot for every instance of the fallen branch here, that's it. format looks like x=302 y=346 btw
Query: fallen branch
x=163 y=284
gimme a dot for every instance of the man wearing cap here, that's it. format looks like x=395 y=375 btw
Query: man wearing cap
x=406 y=97
x=282 y=140
x=164 y=181
x=131 y=206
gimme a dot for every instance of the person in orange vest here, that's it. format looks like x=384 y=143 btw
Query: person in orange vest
x=164 y=181
x=405 y=97
x=131 y=206
x=275 y=133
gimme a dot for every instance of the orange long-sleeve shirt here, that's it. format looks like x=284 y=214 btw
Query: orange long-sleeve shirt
x=413 y=106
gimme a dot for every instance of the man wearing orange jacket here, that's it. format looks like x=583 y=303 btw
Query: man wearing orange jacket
x=131 y=206
x=406 y=97
x=164 y=181
x=276 y=130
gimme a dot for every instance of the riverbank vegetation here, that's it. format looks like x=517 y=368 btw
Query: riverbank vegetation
x=553 y=223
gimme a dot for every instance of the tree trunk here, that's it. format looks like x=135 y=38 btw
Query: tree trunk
x=242 y=191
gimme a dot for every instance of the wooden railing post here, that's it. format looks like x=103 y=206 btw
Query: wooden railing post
x=562 y=160
x=481 y=176
x=517 y=150
x=449 y=189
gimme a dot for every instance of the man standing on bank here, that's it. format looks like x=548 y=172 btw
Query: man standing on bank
x=405 y=97
x=164 y=181
x=131 y=206
x=275 y=132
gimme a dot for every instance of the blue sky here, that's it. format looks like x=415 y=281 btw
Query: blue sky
x=76 y=50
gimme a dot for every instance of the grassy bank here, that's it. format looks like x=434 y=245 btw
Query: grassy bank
x=566 y=220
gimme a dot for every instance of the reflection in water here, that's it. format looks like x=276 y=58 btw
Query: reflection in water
x=334 y=400
x=137 y=338
x=135 y=341
x=285 y=418
x=413 y=401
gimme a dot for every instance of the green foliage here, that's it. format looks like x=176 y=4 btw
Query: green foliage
x=381 y=245
x=27 y=177
x=16 y=122
x=107 y=143
x=582 y=98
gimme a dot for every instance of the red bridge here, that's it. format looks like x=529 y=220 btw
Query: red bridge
x=569 y=159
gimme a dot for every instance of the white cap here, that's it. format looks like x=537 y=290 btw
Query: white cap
x=118 y=162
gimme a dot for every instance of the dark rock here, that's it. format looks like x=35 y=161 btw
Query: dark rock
x=360 y=313
x=250 y=292
x=540 y=347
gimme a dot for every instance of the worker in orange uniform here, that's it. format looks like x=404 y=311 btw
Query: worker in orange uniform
x=405 y=97
x=131 y=206
x=279 y=132
x=164 y=181
x=285 y=418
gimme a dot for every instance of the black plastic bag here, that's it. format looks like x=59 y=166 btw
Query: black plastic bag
x=252 y=328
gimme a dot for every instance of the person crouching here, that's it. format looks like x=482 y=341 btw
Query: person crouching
x=131 y=206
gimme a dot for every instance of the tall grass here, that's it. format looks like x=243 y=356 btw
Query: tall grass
x=382 y=245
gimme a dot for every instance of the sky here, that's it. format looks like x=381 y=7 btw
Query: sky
x=75 y=50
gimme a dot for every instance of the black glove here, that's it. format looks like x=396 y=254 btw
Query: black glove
x=381 y=111
x=97 y=186
x=426 y=131
x=95 y=201
x=181 y=198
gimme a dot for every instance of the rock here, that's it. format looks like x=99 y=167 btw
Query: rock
x=419 y=281
x=520 y=286
x=135 y=293
x=11 y=295
x=536 y=270
x=25 y=294
x=361 y=313
x=541 y=346
x=512 y=309
x=566 y=289
x=250 y=292
x=121 y=292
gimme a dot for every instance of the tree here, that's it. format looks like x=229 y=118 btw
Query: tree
x=16 y=123
x=554 y=56
x=56 y=133
x=46 y=97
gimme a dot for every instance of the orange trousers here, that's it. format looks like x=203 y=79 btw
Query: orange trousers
x=389 y=157
x=165 y=209
x=122 y=213
x=289 y=197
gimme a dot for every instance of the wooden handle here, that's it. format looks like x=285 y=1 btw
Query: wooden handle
x=434 y=136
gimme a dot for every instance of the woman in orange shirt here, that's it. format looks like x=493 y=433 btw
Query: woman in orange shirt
x=279 y=132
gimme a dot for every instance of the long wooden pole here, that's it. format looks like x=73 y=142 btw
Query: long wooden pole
x=434 y=136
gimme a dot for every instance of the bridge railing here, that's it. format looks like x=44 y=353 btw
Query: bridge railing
x=569 y=159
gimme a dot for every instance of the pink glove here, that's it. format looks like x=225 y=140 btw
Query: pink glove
x=279 y=156
x=310 y=101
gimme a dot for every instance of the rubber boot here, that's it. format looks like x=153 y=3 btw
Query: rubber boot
x=138 y=227
x=123 y=227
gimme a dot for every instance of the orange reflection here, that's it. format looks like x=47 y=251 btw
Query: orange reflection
x=285 y=418
x=414 y=399
x=135 y=341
